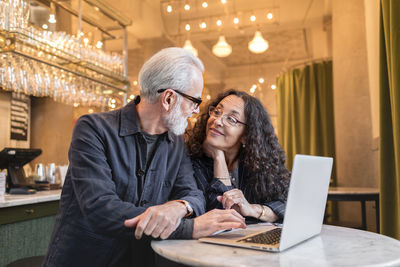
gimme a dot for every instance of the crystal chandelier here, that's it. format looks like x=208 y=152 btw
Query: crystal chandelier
x=188 y=46
x=258 y=44
x=222 y=48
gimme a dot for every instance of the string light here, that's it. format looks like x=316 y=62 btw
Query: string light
x=205 y=5
x=261 y=80
x=223 y=2
x=270 y=16
x=135 y=83
x=208 y=97
x=236 y=20
x=76 y=105
x=253 y=18
x=203 y=25
x=86 y=41
x=219 y=22
x=45 y=27
x=273 y=86
x=187 y=27
x=132 y=96
x=90 y=110
x=187 y=7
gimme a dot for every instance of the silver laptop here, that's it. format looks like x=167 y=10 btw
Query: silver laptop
x=304 y=213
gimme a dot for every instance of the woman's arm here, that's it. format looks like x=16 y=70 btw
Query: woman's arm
x=220 y=168
x=234 y=199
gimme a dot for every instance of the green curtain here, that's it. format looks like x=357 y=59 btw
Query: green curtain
x=305 y=111
x=390 y=118
x=305 y=116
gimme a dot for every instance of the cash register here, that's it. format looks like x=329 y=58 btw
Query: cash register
x=14 y=159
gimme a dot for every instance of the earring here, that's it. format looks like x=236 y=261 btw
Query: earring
x=243 y=145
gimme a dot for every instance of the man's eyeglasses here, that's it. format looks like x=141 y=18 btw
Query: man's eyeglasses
x=226 y=119
x=196 y=101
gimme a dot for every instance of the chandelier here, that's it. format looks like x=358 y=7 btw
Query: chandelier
x=188 y=46
x=258 y=45
x=222 y=48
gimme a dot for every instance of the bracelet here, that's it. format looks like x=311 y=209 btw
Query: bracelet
x=223 y=178
x=262 y=212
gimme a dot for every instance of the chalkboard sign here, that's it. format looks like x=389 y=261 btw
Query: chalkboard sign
x=19 y=117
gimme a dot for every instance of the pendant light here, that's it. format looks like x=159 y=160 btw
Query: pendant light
x=222 y=48
x=258 y=44
x=188 y=46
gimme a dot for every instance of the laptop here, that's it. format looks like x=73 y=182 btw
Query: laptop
x=304 y=213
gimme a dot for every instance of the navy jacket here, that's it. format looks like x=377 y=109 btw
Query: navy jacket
x=213 y=187
x=101 y=191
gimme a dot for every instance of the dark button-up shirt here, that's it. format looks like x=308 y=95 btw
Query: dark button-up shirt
x=101 y=191
x=213 y=187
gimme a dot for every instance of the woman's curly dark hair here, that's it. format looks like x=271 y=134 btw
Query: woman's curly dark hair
x=262 y=155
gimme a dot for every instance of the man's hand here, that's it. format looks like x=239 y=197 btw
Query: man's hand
x=216 y=220
x=158 y=221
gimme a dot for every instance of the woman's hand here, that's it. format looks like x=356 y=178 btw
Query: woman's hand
x=212 y=151
x=216 y=220
x=234 y=199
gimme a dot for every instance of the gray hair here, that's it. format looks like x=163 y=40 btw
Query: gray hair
x=171 y=67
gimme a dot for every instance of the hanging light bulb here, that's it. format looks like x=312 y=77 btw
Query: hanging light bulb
x=203 y=25
x=86 y=41
x=52 y=16
x=99 y=44
x=188 y=46
x=253 y=18
x=236 y=20
x=270 y=15
x=205 y=5
x=261 y=80
x=258 y=44
x=187 y=7
x=187 y=27
x=219 y=22
x=222 y=48
x=223 y=2
x=169 y=8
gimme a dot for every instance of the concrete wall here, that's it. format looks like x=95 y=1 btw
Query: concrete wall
x=356 y=161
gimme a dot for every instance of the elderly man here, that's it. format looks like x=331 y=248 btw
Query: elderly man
x=129 y=169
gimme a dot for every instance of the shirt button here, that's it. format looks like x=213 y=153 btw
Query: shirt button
x=140 y=172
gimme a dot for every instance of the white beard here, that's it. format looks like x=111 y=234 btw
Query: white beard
x=174 y=121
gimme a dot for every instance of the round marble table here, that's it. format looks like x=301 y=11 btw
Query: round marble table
x=335 y=246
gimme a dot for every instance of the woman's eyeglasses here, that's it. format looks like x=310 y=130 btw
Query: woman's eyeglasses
x=196 y=101
x=226 y=119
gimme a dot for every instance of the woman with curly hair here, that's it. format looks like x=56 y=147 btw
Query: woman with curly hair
x=237 y=160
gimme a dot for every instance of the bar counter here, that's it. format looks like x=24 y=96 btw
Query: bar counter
x=39 y=197
x=26 y=223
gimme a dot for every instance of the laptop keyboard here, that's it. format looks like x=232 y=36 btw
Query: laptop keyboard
x=271 y=237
